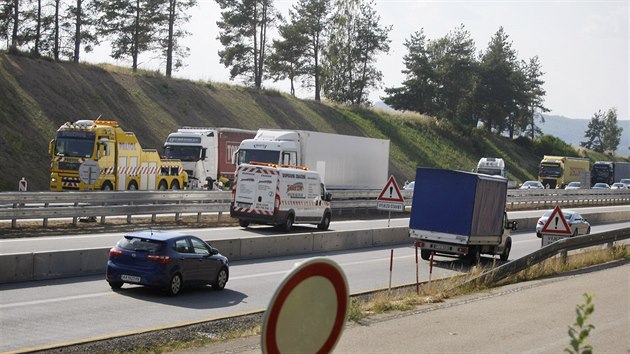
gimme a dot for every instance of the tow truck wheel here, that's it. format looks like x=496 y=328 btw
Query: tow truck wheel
x=175 y=185
x=132 y=186
x=162 y=186
x=107 y=186
x=425 y=254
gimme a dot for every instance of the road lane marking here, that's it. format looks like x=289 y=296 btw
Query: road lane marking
x=48 y=301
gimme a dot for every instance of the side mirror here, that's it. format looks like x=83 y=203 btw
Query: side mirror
x=214 y=251
x=328 y=197
x=51 y=148
x=513 y=225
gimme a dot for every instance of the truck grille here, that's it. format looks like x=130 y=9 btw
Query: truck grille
x=74 y=166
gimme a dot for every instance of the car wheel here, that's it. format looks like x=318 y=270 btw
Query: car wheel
x=288 y=223
x=538 y=234
x=243 y=223
x=575 y=233
x=506 y=251
x=175 y=285
x=588 y=231
x=115 y=284
x=425 y=254
x=325 y=223
x=222 y=278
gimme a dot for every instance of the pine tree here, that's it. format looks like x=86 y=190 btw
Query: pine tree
x=174 y=16
x=243 y=34
x=287 y=59
x=611 y=134
x=594 y=133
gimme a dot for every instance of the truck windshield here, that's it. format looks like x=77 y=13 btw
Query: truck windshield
x=601 y=171
x=75 y=145
x=183 y=152
x=550 y=171
x=490 y=171
x=267 y=156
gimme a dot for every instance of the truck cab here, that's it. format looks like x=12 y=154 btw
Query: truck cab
x=271 y=146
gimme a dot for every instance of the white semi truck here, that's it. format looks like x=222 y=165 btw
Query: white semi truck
x=206 y=153
x=343 y=161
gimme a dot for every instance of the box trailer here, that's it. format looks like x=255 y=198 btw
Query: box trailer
x=460 y=214
x=343 y=161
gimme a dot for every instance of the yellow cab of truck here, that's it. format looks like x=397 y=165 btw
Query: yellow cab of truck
x=122 y=163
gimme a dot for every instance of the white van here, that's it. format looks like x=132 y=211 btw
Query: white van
x=279 y=195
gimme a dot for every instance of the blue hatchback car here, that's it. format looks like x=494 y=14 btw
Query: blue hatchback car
x=167 y=260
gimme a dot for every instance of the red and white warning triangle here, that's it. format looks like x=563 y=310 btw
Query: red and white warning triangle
x=556 y=224
x=391 y=192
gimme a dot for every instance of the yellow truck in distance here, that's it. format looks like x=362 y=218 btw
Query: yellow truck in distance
x=122 y=163
x=558 y=171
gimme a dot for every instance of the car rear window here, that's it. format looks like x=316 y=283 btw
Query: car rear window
x=140 y=244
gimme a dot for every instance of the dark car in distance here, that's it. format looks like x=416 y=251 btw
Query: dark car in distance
x=166 y=260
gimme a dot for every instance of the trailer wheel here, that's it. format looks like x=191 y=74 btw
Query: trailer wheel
x=425 y=254
x=474 y=256
x=288 y=223
x=325 y=223
x=243 y=223
x=506 y=251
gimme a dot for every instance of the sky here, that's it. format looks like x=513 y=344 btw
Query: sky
x=582 y=45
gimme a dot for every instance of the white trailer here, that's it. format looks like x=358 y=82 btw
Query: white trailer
x=207 y=154
x=343 y=161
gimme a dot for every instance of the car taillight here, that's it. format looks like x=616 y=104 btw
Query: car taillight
x=115 y=252
x=540 y=222
x=159 y=258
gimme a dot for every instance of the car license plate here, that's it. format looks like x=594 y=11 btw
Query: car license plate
x=130 y=278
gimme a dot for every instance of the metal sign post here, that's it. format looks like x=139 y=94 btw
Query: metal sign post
x=390 y=199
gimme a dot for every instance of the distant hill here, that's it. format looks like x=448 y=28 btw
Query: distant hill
x=572 y=131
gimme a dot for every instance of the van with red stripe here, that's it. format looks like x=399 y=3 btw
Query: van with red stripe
x=279 y=195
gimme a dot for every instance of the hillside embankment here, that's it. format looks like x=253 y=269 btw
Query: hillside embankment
x=37 y=96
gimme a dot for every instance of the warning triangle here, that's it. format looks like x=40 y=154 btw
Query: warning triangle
x=556 y=224
x=391 y=192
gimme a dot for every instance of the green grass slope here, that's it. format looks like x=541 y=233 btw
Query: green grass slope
x=37 y=96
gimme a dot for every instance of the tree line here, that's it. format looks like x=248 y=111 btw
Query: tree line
x=327 y=46
x=57 y=28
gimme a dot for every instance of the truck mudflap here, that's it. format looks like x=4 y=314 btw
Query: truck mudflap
x=443 y=248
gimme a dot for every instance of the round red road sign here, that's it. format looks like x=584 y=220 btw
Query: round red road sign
x=307 y=312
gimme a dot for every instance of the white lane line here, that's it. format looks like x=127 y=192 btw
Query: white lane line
x=48 y=301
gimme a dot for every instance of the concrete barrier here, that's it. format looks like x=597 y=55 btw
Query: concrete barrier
x=59 y=264
x=16 y=267
x=50 y=265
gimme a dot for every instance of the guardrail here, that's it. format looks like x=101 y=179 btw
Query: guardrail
x=562 y=246
x=46 y=205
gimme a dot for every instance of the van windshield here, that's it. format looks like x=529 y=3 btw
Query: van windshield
x=266 y=156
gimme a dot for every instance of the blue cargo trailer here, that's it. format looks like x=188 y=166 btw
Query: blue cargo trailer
x=459 y=213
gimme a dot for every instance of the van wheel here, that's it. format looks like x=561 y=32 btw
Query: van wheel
x=243 y=223
x=325 y=222
x=506 y=251
x=288 y=223
x=425 y=254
